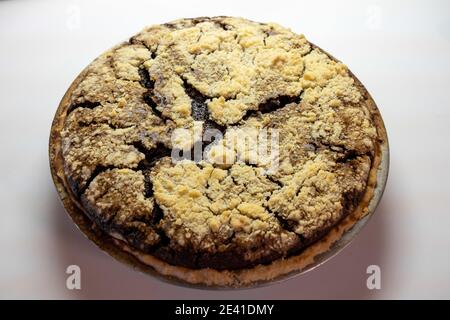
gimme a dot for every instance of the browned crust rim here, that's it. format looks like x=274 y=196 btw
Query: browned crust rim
x=207 y=276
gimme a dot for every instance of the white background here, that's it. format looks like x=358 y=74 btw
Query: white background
x=399 y=49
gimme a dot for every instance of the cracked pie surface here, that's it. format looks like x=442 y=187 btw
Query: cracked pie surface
x=229 y=216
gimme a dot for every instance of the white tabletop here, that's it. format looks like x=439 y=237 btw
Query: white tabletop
x=399 y=49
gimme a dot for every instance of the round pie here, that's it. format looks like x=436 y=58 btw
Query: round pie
x=217 y=151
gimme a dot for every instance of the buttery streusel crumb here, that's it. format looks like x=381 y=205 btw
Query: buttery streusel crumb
x=241 y=78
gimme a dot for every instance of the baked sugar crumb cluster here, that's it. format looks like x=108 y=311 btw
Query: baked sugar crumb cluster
x=234 y=76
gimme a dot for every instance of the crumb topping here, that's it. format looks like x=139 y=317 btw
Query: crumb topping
x=212 y=209
x=129 y=214
x=242 y=78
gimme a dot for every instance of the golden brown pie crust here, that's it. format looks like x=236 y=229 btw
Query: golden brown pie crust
x=207 y=276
